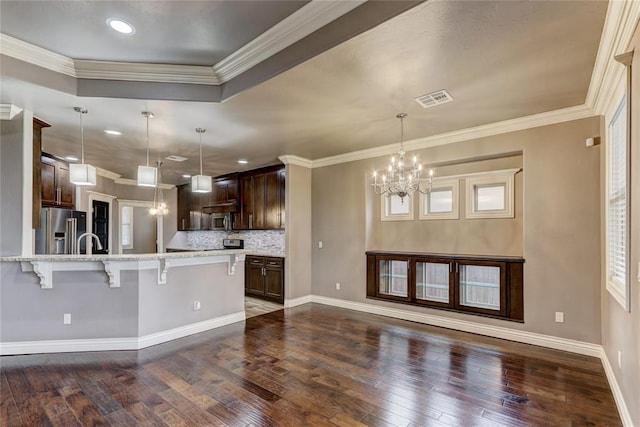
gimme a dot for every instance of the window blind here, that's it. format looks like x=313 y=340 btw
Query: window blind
x=617 y=221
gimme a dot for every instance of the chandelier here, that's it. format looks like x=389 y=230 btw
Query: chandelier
x=159 y=206
x=401 y=179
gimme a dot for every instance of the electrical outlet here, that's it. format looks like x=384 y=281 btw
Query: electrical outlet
x=196 y=305
x=319 y=244
x=619 y=359
x=559 y=317
x=67 y=318
x=337 y=286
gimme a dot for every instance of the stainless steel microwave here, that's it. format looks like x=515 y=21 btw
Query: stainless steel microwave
x=220 y=221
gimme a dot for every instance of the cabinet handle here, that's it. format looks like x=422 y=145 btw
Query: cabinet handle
x=183 y=223
x=58 y=195
x=263 y=271
x=250 y=221
x=450 y=267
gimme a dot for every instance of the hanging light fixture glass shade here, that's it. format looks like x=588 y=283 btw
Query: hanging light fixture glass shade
x=401 y=179
x=159 y=206
x=147 y=175
x=201 y=183
x=82 y=173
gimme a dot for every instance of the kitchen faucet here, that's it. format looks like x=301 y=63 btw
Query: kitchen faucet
x=97 y=239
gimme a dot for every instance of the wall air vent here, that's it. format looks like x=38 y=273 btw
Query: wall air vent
x=434 y=98
x=176 y=158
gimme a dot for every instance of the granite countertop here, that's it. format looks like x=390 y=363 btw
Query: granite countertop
x=207 y=249
x=125 y=257
x=187 y=253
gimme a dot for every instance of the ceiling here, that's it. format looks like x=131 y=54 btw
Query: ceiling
x=499 y=60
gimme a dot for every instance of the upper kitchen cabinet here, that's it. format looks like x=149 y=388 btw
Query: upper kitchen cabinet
x=38 y=125
x=190 y=206
x=56 y=187
x=262 y=199
x=225 y=191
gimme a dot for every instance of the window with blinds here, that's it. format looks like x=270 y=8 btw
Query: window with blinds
x=617 y=202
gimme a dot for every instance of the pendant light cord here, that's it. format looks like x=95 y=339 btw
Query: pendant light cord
x=81 y=138
x=200 y=153
x=147 y=140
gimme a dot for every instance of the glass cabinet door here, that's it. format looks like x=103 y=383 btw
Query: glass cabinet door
x=433 y=282
x=481 y=286
x=393 y=277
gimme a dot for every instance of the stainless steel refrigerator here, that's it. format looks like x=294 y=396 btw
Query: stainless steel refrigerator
x=59 y=231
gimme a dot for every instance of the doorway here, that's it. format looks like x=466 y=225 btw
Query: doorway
x=100 y=225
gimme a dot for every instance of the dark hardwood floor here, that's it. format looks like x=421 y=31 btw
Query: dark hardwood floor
x=311 y=365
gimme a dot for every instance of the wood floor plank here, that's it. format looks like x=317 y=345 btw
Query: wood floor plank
x=9 y=414
x=312 y=365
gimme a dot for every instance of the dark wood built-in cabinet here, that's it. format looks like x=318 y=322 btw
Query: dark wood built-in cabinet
x=488 y=286
x=264 y=278
x=56 y=187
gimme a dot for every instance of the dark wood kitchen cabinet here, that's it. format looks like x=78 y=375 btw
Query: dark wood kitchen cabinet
x=262 y=194
x=264 y=278
x=56 y=187
x=38 y=125
x=225 y=191
x=189 y=210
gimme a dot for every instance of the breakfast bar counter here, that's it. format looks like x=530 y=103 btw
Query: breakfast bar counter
x=59 y=303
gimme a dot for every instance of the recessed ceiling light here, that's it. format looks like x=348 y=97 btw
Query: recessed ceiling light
x=121 y=26
x=243 y=161
x=186 y=175
x=71 y=158
x=112 y=132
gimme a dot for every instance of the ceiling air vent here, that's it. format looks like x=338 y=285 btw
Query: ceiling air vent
x=434 y=98
x=176 y=158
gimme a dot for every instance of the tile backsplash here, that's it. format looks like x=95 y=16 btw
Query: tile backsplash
x=271 y=241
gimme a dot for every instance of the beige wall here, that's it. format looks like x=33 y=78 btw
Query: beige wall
x=298 y=232
x=620 y=328
x=560 y=220
x=500 y=236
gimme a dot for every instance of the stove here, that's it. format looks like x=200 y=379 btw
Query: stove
x=233 y=244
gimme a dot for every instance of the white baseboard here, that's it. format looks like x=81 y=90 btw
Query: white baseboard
x=108 y=344
x=617 y=392
x=549 y=341
x=288 y=303
x=193 y=328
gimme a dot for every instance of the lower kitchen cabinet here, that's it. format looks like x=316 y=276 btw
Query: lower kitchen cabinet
x=264 y=278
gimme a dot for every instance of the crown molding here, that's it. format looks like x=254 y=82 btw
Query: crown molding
x=295 y=27
x=309 y=18
x=9 y=111
x=27 y=52
x=512 y=125
x=619 y=25
x=289 y=159
x=133 y=182
x=141 y=72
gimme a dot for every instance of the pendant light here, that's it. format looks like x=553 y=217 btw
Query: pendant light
x=401 y=179
x=159 y=206
x=201 y=183
x=82 y=173
x=147 y=175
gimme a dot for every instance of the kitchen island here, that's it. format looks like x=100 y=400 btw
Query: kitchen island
x=60 y=303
